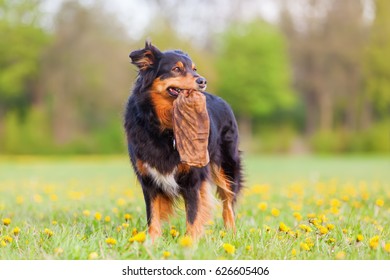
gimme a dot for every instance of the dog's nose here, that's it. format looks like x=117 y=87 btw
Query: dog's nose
x=201 y=81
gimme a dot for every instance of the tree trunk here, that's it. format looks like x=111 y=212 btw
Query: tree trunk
x=326 y=112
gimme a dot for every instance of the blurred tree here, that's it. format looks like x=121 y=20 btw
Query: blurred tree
x=86 y=76
x=326 y=51
x=22 y=43
x=254 y=74
x=377 y=65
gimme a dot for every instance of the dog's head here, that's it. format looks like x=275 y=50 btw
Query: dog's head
x=167 y=73
x=162 y=76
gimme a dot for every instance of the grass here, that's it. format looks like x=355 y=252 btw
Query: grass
x=292 y=208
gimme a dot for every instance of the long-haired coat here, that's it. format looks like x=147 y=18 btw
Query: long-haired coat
x=149 y=130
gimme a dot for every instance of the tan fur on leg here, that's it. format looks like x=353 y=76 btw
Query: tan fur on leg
x=162 y=209
x=227 y=196
x=196 y=229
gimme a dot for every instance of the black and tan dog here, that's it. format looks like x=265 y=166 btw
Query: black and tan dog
x=162 y=76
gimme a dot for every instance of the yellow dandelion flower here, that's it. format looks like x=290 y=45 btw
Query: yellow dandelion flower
x=260 y=189
x=3 y=243
x=283 y=227
x=6 y=221
x=252 y=230
x=315 y=222
x=340 y=255
x=186 y=241
x=229 y=248
x=356 y=204
x=48 y=232
x=93 y=256
x=297 y=216
x=309 y=242
x=19 y=199
x=222 y=233
x=275 y=212
x=359 y=238
x=120 y=202
x=293 y=252
x=304 y=246
x=8 y=239
x=374 y=242
x=53 y=197
x=118 y=228
x=58 y=251
x=166 y=254
x=331 y=240
x=330 y=226
x=140 y=237
x=335 y=202
x=295 y=206
x=174 y=233
x=107 y=219
x=110 y=241
x=16 y=231
x=323 y=230
x=311 y=215
x=305 y=228
x=319 y=202
x=267 y=228
x=345 y=198
x=128 y=217
x=131 y=240
x=98 y=216
x=248 y=248
x=345 y=231
x=125 y=225
x=387 y=247
x=262 y=206
x=365 y=195
x=134 y=231
x=54 y=222
x=379 y=202
x=37 y=198
x=322 y=218
x=86 y=213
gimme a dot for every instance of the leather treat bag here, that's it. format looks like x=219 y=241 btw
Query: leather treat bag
x=191 y=127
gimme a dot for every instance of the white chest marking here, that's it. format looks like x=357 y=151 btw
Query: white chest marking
x=166 y=182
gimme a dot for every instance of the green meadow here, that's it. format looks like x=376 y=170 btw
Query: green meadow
x=291 y=208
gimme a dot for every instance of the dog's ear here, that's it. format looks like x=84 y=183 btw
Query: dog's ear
x=145 y=58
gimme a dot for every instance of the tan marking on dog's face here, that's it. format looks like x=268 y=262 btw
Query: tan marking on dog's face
x=163 y=101
x=182 y=82
x=179 y=65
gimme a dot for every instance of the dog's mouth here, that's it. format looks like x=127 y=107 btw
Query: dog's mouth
x=174 y=91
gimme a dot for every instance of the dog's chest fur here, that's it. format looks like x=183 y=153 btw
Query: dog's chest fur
x=166 y=182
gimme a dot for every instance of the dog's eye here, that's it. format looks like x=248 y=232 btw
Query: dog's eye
x=195 y=69
x=176 y=69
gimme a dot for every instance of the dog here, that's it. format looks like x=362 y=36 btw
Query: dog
x=148 y=124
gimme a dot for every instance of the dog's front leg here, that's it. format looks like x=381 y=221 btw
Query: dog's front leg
x=198 y=208
x=159 y=207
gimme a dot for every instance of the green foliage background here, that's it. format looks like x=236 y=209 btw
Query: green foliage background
x=321 y=88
